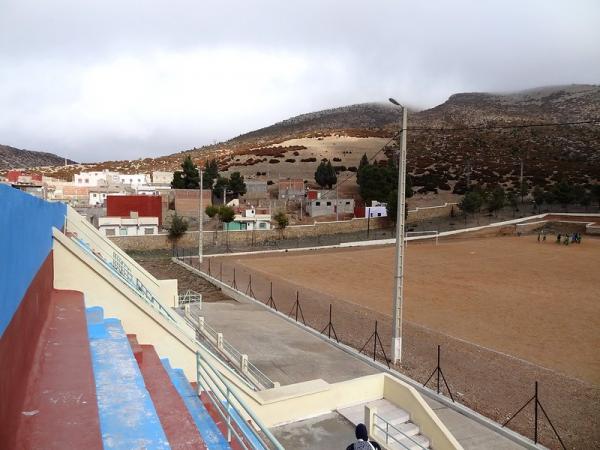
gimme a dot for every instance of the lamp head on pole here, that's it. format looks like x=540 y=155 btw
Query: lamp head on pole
x=394 y=102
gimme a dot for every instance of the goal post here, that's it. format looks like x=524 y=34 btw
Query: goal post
x=429 y=234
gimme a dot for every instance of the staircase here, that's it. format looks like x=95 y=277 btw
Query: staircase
x=392 y=425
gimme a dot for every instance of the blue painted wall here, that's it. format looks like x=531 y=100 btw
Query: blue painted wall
x=25 y=241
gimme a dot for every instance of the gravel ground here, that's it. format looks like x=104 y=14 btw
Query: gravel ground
x=494 y=384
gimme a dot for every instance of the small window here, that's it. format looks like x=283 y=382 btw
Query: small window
x=123 y=231
x=94 y=195
x=347 y=203
x=110 y=231
x=378 y=214
x=148 y=230
x=262 y=225
x=317 y=203
x=328 y=203
x=87 y=180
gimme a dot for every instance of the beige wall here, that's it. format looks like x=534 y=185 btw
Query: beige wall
x=190 y=239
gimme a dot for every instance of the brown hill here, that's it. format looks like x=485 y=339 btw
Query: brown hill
x=14 y=158
x=438 y=159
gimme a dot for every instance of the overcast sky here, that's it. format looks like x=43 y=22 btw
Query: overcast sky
x=123 y=79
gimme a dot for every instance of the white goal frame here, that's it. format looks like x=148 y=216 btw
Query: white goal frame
x=428 y=234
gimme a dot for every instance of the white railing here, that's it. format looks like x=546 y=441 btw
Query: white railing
x=231 y=354
x=389 y=432
x=190 y=297
x=233 y=410
x=117 y=266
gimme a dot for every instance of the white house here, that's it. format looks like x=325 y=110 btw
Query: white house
x=134 y=180
x=251 y=219
x=98 y=196
x=128 y=226
x=92 y=179
x=376 y=209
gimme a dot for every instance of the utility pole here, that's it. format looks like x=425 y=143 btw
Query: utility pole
x=399 y=272
x=224 y=196
x=200 y=220
x=337 y=204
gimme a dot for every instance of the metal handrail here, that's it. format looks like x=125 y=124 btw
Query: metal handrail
x=122 y=271
x=389 y=436
x=232 y=354
x=190 y=296
x=115 y=248
x=213 y=377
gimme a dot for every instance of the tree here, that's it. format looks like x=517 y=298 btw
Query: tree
x=538 y=196
x=513 y=201
x=221 y=183
x=471 y=202
x=177 y=229
x=178 y=181
x=190 y=174
x=595 y=193
x=282 y=221
x=563 y=193
x=364 y=161
x=325 y=175
x=211 y=172
x=236 y=184
x=496 y=199
x=226 y=214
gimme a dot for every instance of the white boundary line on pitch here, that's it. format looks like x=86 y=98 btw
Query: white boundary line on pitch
x=517 y=222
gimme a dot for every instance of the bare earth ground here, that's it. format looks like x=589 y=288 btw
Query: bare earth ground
x=506 y=312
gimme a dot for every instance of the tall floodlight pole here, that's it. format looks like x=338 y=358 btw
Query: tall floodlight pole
x=200 y=217
x=399 y=272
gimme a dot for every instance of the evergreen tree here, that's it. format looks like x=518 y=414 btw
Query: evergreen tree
x=211 y=172
x=538 y=196
x=471 y=202
x=178 y=182
x=188 y=178
x=236 y=184
x=177 y=229
x=364 y=161
x=496 y=198
x=563 y=193
x=325 y=175
x=282 y=221
x=220 y=184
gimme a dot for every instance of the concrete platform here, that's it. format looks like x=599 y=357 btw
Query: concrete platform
x=284 y=352
x=288 y=354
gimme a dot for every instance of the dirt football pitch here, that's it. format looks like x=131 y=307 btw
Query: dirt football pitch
x=507 y=311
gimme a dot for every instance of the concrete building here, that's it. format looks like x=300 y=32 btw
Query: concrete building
x=256 y=190
x=98 y=196
x=187 y=201
x=106 y=177
x=327 y=206
x=134 y=205
x=159 y=177
x=291 y=188
x=250 y=219
x=96 y=178
x=128 y=226
x=377 y=209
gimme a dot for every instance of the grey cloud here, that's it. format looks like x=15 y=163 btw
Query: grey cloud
x=68 y=68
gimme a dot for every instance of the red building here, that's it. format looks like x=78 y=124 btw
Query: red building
x=20 y=176
x=144 y=205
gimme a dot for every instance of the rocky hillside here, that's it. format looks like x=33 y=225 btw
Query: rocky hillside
x=14 y=158
x=440 y=159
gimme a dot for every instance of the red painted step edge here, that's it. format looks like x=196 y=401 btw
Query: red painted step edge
x=216 y=417
x=174 y=417
x=60 y=408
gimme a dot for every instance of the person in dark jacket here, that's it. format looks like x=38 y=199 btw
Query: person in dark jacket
x=363 y=442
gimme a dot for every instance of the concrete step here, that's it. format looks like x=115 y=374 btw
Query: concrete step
x=417 y=442
x=211 y=435
x=128 y=418
x=60 y=409
x=174 y=416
